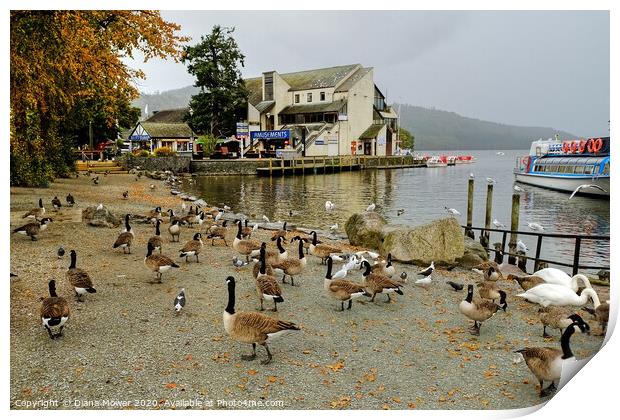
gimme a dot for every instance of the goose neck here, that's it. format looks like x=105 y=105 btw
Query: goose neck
x=73 y=260
x=230 y=307
x=565 y=342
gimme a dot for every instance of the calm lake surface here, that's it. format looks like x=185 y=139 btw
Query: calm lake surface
x=422 y=193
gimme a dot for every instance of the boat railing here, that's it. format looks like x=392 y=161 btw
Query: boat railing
x=538 y=261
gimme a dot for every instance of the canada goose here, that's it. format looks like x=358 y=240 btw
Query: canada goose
x=557 y=317
x=246 y=232
x=483 y=266
x=79 y=279
x=601 y=312
x=125 y=239
x=95 y=180
x=526 y=282
x=154 y=215
x=159 y=264
x=555 y=276
x=322 y=250
x=292 y=266
x=488 y=290
x=428 y=270
x=492 y=274
x=125 y=195
x=279 y=233
x=376 y=283
x=156 y=241
x=173 y=217
x=267 y=286
x=70 y=200
x=385 y=267
x=220 y=232
x=192 y=247
x=179 y=301
x=61 y=252
x=174 y=230
x=553 y=294
x=480 y=310
x=342 y=290
x=546 y=362
x=246 y=246
x=273 y=256
x=54 y=311
x=32 y=229
x=252 y=327
x=56 y=203
x=37 y=212
x=189 y=219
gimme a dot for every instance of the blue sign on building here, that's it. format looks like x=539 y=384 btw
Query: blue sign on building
x=274 y=134
x=139 y=137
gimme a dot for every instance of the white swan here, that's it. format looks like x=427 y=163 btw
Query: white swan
x=554 y=276
x=554 y=294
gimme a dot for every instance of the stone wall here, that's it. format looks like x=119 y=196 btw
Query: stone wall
x=151 y=163
x=227 y=167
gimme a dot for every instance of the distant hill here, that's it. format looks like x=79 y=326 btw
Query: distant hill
x=433 y=129
x=443 y=130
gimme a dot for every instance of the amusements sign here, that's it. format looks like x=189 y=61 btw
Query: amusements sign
x=273 y=134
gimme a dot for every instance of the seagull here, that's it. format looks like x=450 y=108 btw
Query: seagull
x=100 y=206
x=518 y=189
x=337 y=258
x=453 y=211
x=333 y=227
x=265 y=218
x=372 y=255
x=586 y=186
x=340 y=274
x=498 y=224
x=371 y=207
x=179 y=301
x=400 y=211
x=237 y=262
x=477 y=271
x=455 y=286
x=521 y=246
x=535 y=226
x=490 y=180
x=424 y=282
x=500 y=153
x=218 y=216
x=255 y=227
x=226 y=207
x=60 y=252
x=329 y=206
x=428 y=270
x=471 y=175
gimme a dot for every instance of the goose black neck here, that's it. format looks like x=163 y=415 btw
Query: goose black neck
x=246 y=222
x=565 y=342
x=52 y=287
x=263 y=263
x=301 y=249
x=73 y=259
x=157 y=228
x=470 y=294
x=367 y=265
x=284 y=226
x=230 y=308
x=389 y=260
x=40 y=203
x=127 y=223
x=279 y=244
x=314 y=238
x=239 y=231
x=149 y=250
x=329 y=269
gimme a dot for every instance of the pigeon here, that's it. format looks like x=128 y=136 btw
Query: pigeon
x=329 y=206
x=371 y=207
x=96 y=180
x=125 y=195
x=60 y=252
x=428 y=270
x=535 y=226
x=424 y=282
x=453 y=211
x=490 y=180
x=70 y=200
x=498 y=224
x=179 y=301
x=237 y=262
x=56 y=203
x=265 y=218
x=400 y=212
x=518 y=189
x=403 y=276
x=471 y=175
x=455 y=286
x=586 y=186
x=521 y=246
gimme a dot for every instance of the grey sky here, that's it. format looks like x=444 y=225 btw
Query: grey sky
x=525 y=68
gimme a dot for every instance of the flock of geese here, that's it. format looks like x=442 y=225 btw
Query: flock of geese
x=553 y=290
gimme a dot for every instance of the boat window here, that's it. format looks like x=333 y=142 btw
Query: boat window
x=552 y=168
x=588 y=169
x=579 y=169
x=606 y=169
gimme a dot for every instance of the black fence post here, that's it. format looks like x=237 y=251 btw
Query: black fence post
x=576 y=255
x=538 y=246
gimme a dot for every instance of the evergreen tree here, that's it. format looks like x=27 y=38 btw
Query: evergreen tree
x=222 y=98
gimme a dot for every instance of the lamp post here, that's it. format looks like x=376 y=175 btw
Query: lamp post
x=303 y=141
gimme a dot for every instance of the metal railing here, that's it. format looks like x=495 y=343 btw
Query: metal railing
x=576 y=254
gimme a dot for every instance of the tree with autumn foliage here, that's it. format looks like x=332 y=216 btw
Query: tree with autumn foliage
x=215 y=62
x=67 y=70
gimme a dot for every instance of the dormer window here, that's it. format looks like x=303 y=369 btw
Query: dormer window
x=297 y=98
x=322 y=95
x=309 y=98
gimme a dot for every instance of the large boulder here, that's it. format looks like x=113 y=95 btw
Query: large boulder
x=365 y=229
x=441 y=241
x=474 y=254
x=100 y=217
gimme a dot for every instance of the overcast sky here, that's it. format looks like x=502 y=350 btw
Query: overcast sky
x=525 y=68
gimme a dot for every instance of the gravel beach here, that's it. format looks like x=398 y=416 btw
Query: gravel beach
x=125 y=345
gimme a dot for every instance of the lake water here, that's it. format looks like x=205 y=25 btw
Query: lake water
x=422 y=193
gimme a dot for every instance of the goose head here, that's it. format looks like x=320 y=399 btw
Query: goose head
x=583 y=325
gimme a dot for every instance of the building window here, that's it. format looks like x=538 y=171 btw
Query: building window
x=269 y=87
x=309 y=97
x=322 y=96
x=297 y=98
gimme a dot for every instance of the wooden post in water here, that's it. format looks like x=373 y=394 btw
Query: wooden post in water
x=270 y=167
x=470 y=208
x=484 y=237
x=514 y=226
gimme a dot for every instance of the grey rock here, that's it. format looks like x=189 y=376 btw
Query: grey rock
x=100 y=218
x=365 y=229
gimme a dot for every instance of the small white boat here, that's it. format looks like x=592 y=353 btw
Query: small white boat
x=436 y=162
